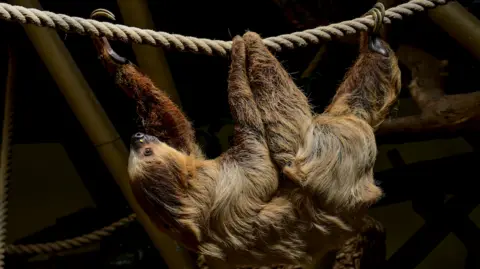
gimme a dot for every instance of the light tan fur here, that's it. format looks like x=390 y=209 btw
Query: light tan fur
x=330 y=155
x=293 y=186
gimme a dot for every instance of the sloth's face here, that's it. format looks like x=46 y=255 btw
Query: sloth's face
x=142 y=145
x=146 y=153
x=157 y=176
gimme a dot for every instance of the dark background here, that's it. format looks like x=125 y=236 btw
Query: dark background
x=42 y=115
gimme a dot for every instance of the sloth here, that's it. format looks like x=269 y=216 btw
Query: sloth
x=292 y=187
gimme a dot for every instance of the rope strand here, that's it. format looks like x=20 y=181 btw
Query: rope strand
x=67 y=244
x=201 y=45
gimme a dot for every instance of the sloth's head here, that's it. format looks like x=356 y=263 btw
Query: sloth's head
x=159 y=177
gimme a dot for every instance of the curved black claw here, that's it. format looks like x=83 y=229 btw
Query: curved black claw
x=375 y=44
x=115 y=57
x=103 y=13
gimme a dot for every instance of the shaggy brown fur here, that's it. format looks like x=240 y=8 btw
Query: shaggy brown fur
x=237 y=209
x=160 y=116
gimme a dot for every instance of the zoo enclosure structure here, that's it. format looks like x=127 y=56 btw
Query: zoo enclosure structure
x=92 y=116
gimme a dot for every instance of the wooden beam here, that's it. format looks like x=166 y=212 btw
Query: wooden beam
x=459 y=24
x=150 y=59
x=95 y=122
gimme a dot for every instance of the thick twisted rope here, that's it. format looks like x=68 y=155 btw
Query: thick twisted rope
x=201 y=45
x=70 y=243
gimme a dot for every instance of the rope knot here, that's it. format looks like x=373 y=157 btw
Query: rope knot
x=378 y=14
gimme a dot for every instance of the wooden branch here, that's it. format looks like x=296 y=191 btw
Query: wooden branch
x=440 y=114
x=427 y=83
x=446 y=114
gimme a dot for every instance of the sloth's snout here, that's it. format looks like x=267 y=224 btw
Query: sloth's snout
x=137 y=140
x=138 y=136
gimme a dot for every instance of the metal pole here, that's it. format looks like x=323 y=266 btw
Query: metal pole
x=97 y=125
x=459 y=24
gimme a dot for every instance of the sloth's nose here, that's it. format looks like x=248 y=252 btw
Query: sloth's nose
x=137 y=137
x=137 y=140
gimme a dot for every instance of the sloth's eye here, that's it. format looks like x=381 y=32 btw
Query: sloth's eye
x=148 y=152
